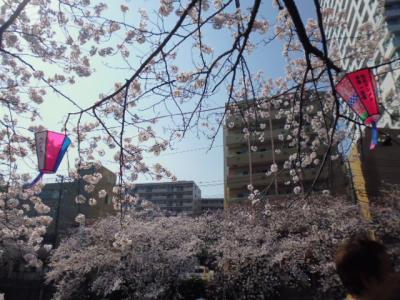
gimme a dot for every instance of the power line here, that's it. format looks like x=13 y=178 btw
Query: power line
x=215 y=180
x=213 y=196
x=186 y=151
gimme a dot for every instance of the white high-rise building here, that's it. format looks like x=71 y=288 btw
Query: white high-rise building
x=357 y=13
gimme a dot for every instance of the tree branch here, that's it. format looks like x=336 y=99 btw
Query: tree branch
x=11 y=20
x=302 y=34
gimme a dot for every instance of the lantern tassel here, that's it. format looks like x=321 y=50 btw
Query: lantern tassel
x=374 y=137
x=36 y=180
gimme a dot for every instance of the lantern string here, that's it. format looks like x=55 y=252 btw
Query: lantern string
x=36 y=180
x=374 y=136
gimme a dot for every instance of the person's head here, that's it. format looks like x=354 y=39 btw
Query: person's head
x=362 y=263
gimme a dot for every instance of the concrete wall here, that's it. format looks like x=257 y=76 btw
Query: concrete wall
x=382 y=164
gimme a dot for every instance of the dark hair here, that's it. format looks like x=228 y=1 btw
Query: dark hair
x=359 y=258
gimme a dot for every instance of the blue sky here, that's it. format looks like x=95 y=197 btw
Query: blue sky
x=189 y=159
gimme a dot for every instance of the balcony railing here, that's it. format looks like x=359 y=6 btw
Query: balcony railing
x=238 y=160
x=239 y=180
x=238 y=138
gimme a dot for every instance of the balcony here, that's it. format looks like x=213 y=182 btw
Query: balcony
x=156 y=198
x=239 y=160
x=238 y=138
x=234 y=200
x=239 y=123
x=239 y=181
x=263 y=157
x=237 y=118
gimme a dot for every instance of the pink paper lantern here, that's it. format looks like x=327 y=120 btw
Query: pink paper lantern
x=50 y=149
x=358 y=90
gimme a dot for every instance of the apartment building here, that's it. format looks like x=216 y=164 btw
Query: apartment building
x=248 y=158
x=175 y=197
x=357 y=13
x=211 y=204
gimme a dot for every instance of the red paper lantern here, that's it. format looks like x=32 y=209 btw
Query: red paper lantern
x=358 y=90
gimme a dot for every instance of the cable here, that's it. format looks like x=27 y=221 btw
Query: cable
x=185 y=151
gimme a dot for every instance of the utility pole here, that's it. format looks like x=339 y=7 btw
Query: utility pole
x=271 y=135
x=250 y=160
x=60 y=194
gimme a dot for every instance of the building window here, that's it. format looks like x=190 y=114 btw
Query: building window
x=107 y=200
x=342 y=6
x=386 y=43
x=361 y=9
x=351 y=15
x=378 y=59
x=52 y=194
x=389 y=6
x=353 y=32
x=393 y=21
x=398 y=83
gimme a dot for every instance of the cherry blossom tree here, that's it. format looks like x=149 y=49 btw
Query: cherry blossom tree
x=145 y=258
x=262 y=252
x=48 y=46
x=37 y=58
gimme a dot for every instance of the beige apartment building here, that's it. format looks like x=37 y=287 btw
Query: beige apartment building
x=248 y=160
